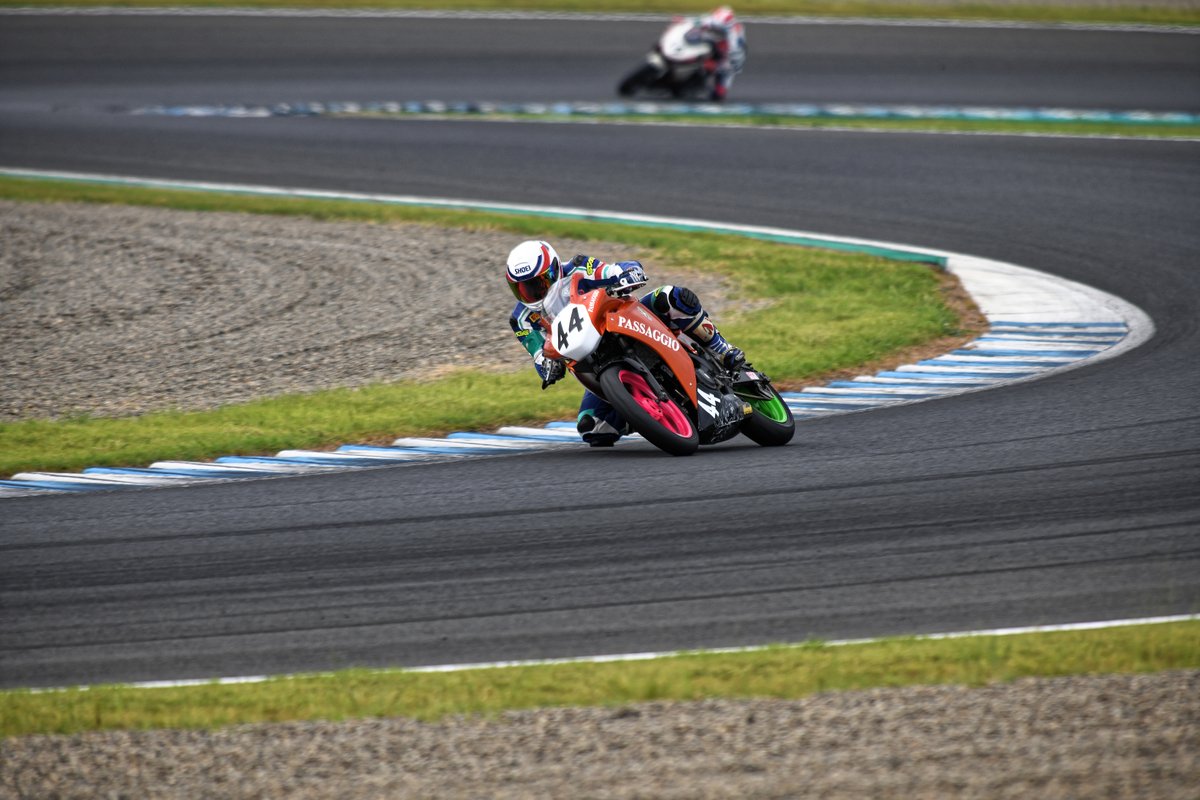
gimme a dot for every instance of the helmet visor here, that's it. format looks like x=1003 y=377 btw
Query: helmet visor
x=532 y=290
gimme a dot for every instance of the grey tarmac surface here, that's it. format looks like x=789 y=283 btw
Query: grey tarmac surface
x=1073 y=498
x=57 y=62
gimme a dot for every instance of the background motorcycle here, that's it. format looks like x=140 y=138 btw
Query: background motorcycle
x=673 y=392
x=682 y=64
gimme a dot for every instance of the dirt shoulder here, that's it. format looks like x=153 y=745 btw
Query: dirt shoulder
x=119 y=310
x=1118 y=736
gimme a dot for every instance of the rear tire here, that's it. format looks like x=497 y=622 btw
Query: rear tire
x=771 y=423
x=662 y=423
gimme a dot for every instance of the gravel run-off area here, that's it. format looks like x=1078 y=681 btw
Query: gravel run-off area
x=1088 y=737
x=118 y=310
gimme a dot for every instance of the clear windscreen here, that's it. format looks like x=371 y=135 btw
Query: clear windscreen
x=558 y=298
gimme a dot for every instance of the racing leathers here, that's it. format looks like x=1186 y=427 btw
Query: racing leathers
x=727 y=37
x=678 y=307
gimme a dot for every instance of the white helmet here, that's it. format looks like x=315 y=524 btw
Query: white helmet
x=722 y=15
x=533 y=267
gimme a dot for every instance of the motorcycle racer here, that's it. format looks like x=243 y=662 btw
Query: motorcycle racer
x=534 y=266
x=728 y=39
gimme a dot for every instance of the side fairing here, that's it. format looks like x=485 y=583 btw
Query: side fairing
x=637 y=322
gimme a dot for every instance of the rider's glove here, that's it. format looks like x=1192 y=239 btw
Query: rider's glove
x=555 y=370
x=550 y=369
x=632 y=278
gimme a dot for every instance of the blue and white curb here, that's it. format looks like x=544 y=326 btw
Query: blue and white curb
x=1040 y=325
x=984 y=363
x=734 y=111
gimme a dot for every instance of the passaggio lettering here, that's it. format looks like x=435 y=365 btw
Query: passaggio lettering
x=649 y=332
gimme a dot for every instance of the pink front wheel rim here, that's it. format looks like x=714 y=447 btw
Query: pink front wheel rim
x=666 y=414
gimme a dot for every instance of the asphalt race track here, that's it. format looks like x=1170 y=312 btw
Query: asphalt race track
x=1070 y=499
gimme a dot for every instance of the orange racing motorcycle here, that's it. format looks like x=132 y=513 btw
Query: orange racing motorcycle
x=669 y=389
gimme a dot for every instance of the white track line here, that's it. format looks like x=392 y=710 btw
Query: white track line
x=646 y=656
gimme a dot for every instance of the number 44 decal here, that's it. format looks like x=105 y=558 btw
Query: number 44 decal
x=708 y=402
x=564 y=334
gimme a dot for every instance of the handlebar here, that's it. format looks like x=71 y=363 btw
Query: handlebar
x=620 y=291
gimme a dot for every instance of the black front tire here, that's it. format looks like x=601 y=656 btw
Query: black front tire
x=653 y=430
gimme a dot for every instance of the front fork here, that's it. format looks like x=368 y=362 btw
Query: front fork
x=588 y=370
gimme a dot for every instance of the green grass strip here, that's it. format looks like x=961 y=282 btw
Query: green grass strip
x=828 y=310
x=1132 y=12
x=782 y=672
x=1126 y=130
x=373 y=414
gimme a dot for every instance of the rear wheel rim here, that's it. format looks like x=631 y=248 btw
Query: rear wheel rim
x=773 y=409
x=665 y=413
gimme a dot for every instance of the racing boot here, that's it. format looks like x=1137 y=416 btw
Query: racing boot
x=599 y=424
x=732 y=358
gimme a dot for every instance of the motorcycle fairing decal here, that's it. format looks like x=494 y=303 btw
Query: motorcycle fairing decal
x=637 y=323
x=709 y=402
x=575 y=324
x=575 y=336
x=654 y=334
